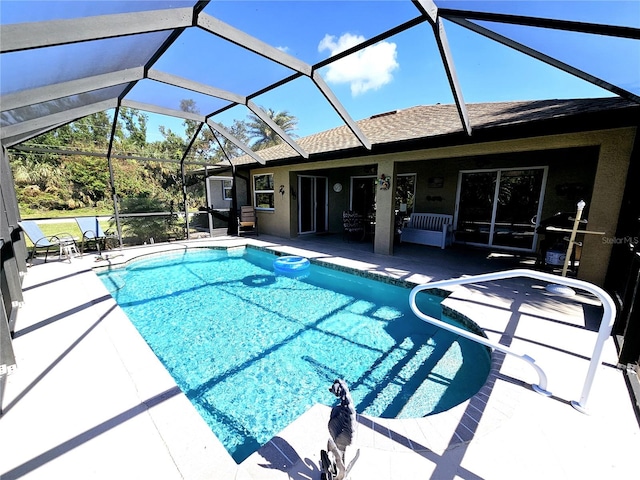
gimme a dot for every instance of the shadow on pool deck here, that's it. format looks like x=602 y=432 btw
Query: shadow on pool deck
x=81 y=365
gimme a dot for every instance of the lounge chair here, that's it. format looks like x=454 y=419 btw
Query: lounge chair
x=353 y=224
x=92 y=232
x=59 y=242
x=247 y=220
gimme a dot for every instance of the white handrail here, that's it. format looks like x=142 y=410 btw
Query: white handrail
x=604 y=331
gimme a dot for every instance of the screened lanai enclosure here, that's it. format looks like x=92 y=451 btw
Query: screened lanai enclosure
x=124 y=109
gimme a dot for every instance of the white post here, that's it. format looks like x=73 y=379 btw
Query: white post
x=572 y=239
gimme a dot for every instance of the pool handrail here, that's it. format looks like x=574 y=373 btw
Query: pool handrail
x=604 y=331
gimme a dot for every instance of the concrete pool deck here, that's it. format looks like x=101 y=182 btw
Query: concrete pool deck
x=89 y=400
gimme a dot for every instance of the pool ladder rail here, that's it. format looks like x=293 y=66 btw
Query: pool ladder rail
x=604 y=331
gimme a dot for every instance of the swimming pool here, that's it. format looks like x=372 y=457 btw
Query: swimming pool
x=253 y=350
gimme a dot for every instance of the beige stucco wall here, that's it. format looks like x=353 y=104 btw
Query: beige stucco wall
x=385 y=213
x=615 y=152
x=614 y=147
x=276 y=222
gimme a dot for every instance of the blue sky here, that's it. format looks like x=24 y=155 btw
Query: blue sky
x=403 y=71
x=406 y=69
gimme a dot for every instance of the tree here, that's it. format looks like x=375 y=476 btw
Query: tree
x=50 y=176
x=134 y=133
x=207 y=147
x=239 y=131
x=266 y=136
x=54 y=180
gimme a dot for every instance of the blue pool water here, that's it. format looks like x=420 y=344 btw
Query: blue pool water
x=253 y=350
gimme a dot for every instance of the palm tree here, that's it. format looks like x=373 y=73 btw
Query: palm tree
x=266 y=136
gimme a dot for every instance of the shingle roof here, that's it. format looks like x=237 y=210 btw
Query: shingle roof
x=429 y=121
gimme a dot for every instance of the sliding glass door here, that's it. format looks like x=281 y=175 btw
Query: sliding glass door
x=312 y=204
x=499 y=207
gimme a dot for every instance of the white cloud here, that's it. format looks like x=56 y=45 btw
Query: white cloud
x=368 y=69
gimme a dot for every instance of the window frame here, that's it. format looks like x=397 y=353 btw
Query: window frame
x=270 y=191
x=227 y=190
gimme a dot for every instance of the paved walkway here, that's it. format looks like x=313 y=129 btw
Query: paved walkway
x=89 y=400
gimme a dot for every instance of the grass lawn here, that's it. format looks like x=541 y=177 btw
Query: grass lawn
x=32 y=214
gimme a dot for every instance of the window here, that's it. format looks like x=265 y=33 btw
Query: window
x=226 y=189
x=405 y=193
x=263 y=191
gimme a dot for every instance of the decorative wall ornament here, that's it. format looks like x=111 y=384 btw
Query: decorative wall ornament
x=384 y=181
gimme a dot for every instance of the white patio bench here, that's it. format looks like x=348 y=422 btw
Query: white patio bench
x=432 y=229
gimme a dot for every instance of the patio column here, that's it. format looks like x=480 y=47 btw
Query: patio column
x=608 y=188
x=385 y=212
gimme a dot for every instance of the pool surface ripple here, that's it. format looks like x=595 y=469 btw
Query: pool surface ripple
x=253 y=350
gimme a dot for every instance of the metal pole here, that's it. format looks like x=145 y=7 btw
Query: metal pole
x=183 y=178
x=232 y=226
x=184 y=199
x=114 y=195
x=207 y=195
x=572 y=239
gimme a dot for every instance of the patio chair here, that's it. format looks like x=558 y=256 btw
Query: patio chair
x=59 y=241
x=92 y=232
x=353 y=224
x=247 y=221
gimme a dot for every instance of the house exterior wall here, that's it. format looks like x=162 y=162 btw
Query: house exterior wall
x=216 y=194
x=615 y=151
x=283 y=220
x=585 y=165
x=571 y=173
x=279 y=220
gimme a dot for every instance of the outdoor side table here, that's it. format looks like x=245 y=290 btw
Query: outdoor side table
x=68 y=247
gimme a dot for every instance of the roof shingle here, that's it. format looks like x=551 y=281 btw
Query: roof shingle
x=427 y=121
